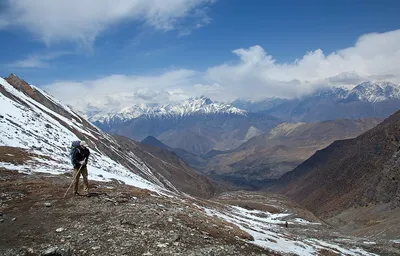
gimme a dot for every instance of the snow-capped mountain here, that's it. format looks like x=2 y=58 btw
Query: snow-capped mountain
x=368 y=99
x=196 y=124
x=192 y=106
x=335 y=93
x=374 y=92
x=35 y=122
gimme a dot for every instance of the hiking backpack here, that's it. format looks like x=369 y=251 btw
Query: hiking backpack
x=74 y=145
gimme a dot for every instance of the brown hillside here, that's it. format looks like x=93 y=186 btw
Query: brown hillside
x=354 y=172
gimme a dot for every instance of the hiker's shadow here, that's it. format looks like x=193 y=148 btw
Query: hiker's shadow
x=96 y=194
x=92 y=194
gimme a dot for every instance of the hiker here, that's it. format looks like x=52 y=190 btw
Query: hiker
x=79 y=156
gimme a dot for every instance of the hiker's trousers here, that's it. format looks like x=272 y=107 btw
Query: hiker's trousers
x=84 y=174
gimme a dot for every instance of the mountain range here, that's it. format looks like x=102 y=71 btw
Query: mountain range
x=192 y=106
x=143 y=199
x=199 y=125
x=195 y=125
x=368 y=99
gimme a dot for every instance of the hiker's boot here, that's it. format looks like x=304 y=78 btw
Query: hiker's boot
x=86 y=192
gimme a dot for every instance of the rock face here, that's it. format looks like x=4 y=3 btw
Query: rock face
x=32 y=119
x=357 y=172
x=265 y=158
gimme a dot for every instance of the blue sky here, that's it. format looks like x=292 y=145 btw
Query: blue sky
x=163 y=50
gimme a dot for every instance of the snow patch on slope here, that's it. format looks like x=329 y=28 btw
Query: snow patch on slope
x=29 y=125
x=265 y=229
x=283 y=129
x=252 y=132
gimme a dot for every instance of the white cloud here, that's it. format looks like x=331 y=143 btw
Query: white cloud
x=38 y=60
x=257 y=74
x=118 y=91
x=77 y=20
x=30 y=62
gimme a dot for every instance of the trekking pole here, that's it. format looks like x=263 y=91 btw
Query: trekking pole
x=73 y=180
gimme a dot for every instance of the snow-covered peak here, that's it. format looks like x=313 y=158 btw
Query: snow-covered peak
x=366 y=91
x=104 y=115
x=335 y=93
x=193 y=106
x=375 y=91
x=202 y=105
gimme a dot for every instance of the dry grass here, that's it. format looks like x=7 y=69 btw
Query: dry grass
x=17 y=156
x=374 y=222
x=14 y=155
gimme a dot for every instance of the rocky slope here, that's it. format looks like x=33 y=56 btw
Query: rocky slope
x=123 y=220
x=174 y=169
x=352 y=174
x=265 y=158
x=31 y=119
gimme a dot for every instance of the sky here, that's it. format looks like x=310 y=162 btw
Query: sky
x=113 y=54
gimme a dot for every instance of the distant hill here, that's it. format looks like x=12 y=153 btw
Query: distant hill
x=193 y=160
x=264 y=158
x=355 y=180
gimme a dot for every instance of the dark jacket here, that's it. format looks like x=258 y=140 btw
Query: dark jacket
x=79 y=154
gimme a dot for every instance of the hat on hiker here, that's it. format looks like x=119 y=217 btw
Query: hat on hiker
x=83 y=143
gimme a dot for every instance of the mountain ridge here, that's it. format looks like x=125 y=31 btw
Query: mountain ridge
x=352 y=182
x=193 y=160
x=368 y=99
x=36 y=121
